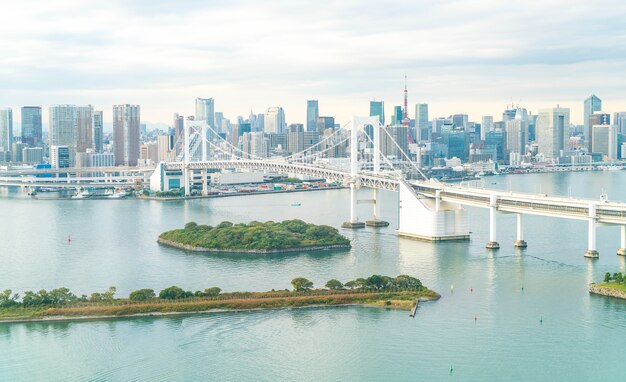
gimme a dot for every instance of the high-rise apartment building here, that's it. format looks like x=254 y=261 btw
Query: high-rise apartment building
x=592 y=105
x=6 y=132
x=205 y=111
x=275 y=120
x=604 y=138
x=553 y=131
x=60 y=157
x=126 y=120
x=98 y=131
x=295 y=138
x=378 y=108
x=421 y=122
x=31 y=126
x=64 y=131
x=517 y=133
x=312 y=113
x=165 y=145
x=84 y=128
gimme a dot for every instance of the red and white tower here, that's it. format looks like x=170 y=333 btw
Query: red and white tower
x=405 y=112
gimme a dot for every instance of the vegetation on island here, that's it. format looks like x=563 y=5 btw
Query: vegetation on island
x=257 y=236
x=375 y=290
x=614 y=281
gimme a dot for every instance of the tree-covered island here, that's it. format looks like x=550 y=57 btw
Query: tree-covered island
x=255 y=237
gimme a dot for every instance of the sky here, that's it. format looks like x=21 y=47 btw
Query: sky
x=471 y=57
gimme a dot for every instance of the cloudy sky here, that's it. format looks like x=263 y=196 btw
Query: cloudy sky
x=471 y=57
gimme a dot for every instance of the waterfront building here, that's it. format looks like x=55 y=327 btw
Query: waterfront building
x=31 y=126
x=16 y=152
x=378 y=108
x=60 y=156
x=604 y=138
x=295 y=138
x=312 y=113
x=553 y=131
x=149 y=153
x=101 y=159
x=98 y=131
x=205 y=111
x=592 y=105
x=619 y=120
x=32 y=155
x=274 y=120
x=6 y=133
x=486 y=126
x=84 y=128
x=126 y=119
x=63 y=131
x=516 y=133
x=422 y=127
x=165 y=144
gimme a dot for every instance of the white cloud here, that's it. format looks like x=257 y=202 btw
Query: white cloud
x=460 y=56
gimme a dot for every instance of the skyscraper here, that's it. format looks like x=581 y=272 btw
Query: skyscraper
x=592 y=104
x=274 y=120
x=378 y=108
x=31 y=125
x=6 y=133
x=63 y=132
x=605 y=140
x=312 y=112
x=98 y=132
x=517 y=133
x=205 y=111
x=397 y=116
x=486 y=126
x=126 y=119
x=84 y=128
x=619 y=120
x=421 y=122
x=552 y=131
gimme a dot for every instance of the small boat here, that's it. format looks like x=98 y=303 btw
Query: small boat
x=414 y=309
x=296 y=204
x=81 y=194
x=32 y=191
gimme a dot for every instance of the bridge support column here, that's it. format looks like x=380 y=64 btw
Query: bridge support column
x=205 y=186
x=354 y=220
x=520 y=243
x=591 y=236
x=622 y=248
x=493 y=242
x=376 y=213
x=354 y=168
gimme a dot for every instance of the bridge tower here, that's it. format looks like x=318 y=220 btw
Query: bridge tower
x=195 y=135
x=357 y=125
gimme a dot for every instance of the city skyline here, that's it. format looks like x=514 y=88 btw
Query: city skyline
x=476 y=65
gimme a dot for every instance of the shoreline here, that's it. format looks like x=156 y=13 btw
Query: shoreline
x=357 y=299
x=187 y=247
x=607 y=291
x=174 y=198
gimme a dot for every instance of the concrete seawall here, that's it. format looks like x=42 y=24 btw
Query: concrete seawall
x=187 y=247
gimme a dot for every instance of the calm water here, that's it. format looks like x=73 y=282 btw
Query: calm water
x=582 y=337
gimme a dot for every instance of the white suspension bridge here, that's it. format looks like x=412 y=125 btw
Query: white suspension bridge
x=428 y=209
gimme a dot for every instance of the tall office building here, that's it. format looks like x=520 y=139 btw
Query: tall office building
x=605 y=140
x=395 y=141
x=312 y=113
x=98 y=131
x=60 y=157
x=165 y=144
x=460 y=121
x=553 y=131
x=31 y=125
x=275 y=120
x=126 y=120
x=84 y=128
x=592 y=104
x=619 y=120
x=421 y=122
x=397 y=116
x=205 y=111
x=509 y=114
x=295 y=138
x=324 y=123
x=6 y=133
x=517 y=133
x=63 y=131
x=486 y=126
x=378 y=108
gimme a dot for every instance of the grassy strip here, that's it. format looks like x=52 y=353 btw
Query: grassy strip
x=616 y=286
x=125 y=308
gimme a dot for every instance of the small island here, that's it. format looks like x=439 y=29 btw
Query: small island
x=400 y=292
x=614 y=285
x=255 y=237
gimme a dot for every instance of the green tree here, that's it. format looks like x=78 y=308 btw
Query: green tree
x=7 y=299
x=334 y=284
x=619 y=277
x=212 y=292
x=172 y=293
x=142 y=295
x=301 y=284
x=350 y=284
x=407 y=282
x=191 y=225
x=108 y=295
x=607 y=277
x=375 y=282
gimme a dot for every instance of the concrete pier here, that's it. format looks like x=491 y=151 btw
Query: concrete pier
x=520 y=242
